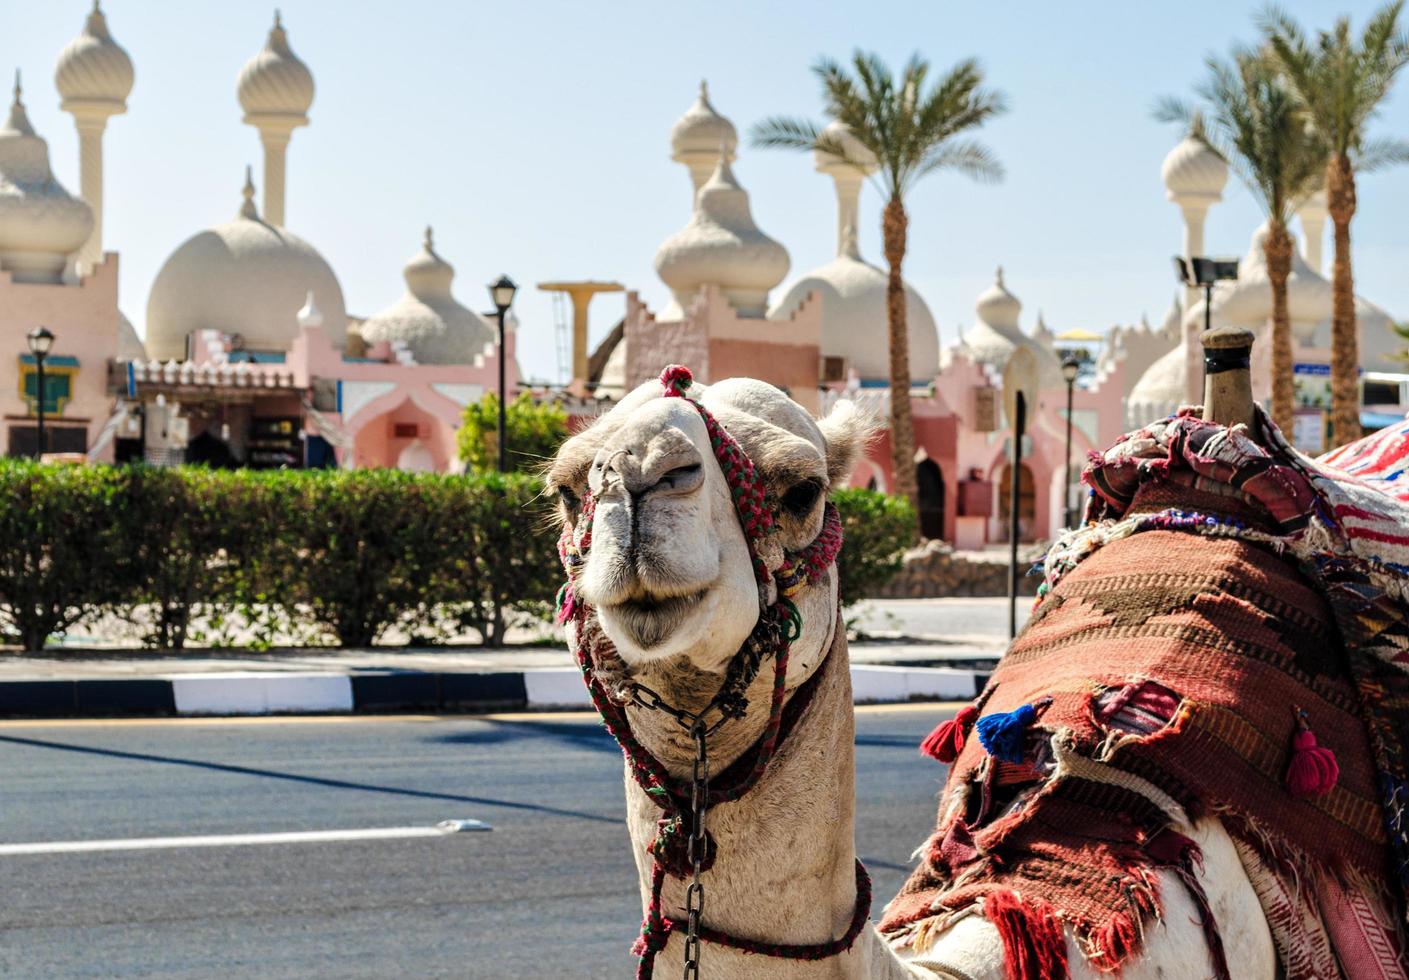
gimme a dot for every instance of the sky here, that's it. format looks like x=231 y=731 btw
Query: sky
x=534 y=137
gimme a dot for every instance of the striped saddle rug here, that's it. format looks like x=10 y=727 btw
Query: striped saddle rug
x=1227 y=633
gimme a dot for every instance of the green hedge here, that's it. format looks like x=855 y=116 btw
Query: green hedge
x=328 y=556
x=335 y=556
x=877 y=528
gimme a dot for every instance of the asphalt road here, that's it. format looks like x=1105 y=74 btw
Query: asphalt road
x=549 y=892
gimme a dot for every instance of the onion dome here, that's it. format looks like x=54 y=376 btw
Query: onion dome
x=427 y=319
x=1161 y=390
x=93 y=69
x=1192 y=172
x=996 y=334
x=1173 y=317
x=1042 y=334
x=129 y=345
x=246 y=278
x=275 y=82
x=854 y=319
x=41 y=224
x=722 y=246
x=1247 y=302
x=855 y=156
x=702 y=130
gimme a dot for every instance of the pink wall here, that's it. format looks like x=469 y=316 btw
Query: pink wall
x=84 y=320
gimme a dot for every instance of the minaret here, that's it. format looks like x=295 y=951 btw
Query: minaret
x=94 y=77
x=275 y=90
x=698 y=138
x=1194 y=178
x=1313 y=225
x=848 y=171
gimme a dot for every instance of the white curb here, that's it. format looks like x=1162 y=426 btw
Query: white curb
x=252 y=693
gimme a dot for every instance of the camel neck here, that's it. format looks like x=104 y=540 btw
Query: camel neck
x=784 y=870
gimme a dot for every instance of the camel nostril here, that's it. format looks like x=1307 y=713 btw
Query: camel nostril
x=681 y=479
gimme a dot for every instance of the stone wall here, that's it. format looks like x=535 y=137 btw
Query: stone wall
x=935 y=570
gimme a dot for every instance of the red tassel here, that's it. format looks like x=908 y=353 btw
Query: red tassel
x=948 y=738
x=1313 y=770
x=1034 y=947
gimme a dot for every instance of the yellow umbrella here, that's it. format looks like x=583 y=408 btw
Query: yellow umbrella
x=1079 y=335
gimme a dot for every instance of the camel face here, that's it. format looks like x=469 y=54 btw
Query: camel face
x=669 y=570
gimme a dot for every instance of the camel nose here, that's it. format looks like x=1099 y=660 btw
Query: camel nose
x=637 y=471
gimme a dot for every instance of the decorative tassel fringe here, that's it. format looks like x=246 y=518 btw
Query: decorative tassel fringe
x=947 y=740
x=1034 y=947
x=1004 y=735
x=1313 y=770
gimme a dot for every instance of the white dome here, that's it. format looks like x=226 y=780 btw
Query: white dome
x=1248 y=301
x=855 y=156
x=722 y=246
x=854 y=321
x=1378 y=338
x=1160 y=391
x=245 y=277
x=1193 y=171
x=41 y=224
x=129 y=345
x=996 y=334
x=427 y=319
x=702 y=130
x=93 y=68
x=275 y=82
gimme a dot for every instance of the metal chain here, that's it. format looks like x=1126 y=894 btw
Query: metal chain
x=694 y=893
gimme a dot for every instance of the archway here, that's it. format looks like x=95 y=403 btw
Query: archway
x=1027 y=501
x=930 y=483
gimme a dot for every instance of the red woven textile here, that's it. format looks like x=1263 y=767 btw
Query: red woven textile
x=1177 y=659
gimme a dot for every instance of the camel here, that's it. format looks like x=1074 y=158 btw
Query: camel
x=676 y=586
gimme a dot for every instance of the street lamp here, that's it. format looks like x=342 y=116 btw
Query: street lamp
x=1070 y=368
x=501 y=292
x=40 y=340
x=1205 y=272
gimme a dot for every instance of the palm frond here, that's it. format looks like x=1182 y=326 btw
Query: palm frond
x=1377 y=154
x=785 y=132
x=909 y=120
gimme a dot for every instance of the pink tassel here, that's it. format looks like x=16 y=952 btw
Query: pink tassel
x=947 y=740
x=1313 y=770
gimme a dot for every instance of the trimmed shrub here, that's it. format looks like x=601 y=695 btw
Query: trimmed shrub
x=324 y=555
x=535 y=431
x=65 y=553
x=877 y=528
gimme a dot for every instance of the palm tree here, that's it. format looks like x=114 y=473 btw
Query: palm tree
x=1253 y=120
x=912 y=130
x=1342 y=81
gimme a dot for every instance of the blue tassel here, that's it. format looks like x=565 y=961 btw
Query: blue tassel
x=1004 y=734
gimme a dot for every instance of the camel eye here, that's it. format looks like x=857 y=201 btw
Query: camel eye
x=570 y=501
x=802 y=497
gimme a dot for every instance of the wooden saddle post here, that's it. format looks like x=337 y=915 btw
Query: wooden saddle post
x=1228 y=378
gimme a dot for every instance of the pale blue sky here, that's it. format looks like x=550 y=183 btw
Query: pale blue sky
x=534 y=137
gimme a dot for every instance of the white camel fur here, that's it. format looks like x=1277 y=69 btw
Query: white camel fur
x=670 y=577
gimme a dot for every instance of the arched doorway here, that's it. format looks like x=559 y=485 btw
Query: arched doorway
x=1027 y=501
x=929 y=480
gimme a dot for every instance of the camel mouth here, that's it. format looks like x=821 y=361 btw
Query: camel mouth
x=649 y=620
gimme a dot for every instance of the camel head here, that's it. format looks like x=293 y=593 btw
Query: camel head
x=669 y=570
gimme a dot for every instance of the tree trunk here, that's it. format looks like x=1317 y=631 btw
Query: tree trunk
x=1277 y=246
x=902 y=432
x=1345 y=347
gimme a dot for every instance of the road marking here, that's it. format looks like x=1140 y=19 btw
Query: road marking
x=240 y=840
x=353 y=719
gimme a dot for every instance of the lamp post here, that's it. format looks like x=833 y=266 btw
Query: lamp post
x=1070 y=368
x=501 y=291
x=40 y=341
x=1205 y=272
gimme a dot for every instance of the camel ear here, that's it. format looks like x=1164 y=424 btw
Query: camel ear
x=848 y=430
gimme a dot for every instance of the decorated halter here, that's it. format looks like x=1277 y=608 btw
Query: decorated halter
x=779 y=624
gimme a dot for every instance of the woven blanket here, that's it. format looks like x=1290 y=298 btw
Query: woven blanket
x=1220 y=600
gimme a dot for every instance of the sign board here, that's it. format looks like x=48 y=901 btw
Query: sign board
x=1020 y=374
x=1309 y=431
x=985 y=409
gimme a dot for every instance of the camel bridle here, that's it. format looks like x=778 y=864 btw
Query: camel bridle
x=683 y=846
